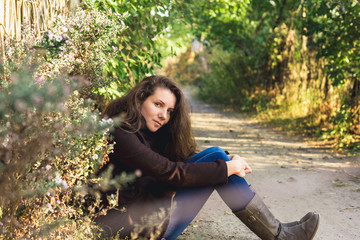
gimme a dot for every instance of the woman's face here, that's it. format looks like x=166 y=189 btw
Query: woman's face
x=157 y=108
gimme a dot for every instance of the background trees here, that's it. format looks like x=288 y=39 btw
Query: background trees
x=293 y=61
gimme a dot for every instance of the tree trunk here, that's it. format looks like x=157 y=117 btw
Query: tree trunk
x=355 y=94
x=326 y=87
x=304 y=70
x=280 y=16
x=355 y=105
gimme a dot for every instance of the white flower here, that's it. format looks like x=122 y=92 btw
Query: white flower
x=62 y=20
x=64 y=29
x=64 y=183
x=95 y=156
x=10 y=51
x=49 y=208
x=106 y=121
x=6 y=140
x=59 y=38
x=60 y=181
x=58 y=178
x=50 y=35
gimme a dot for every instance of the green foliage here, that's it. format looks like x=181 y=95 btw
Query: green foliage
x=225 y=82
x=185 y=68
x=295 y=59
x=17 y=53
x=47 y=153
x=219 y=20
x=343 y=122
x=53 y=139
x=137 y=56
x=335 y=25
x=175 y=39
x=81 y=45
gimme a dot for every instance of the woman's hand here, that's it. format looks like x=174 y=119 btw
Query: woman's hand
x=237 y=166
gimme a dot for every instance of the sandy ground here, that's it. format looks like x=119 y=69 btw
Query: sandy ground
x=293 y=177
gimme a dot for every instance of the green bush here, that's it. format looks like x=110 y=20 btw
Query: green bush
x=145 y=21
x=52 y=138
x=227 y=80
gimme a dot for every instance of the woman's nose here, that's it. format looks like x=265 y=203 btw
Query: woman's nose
x=163 y=114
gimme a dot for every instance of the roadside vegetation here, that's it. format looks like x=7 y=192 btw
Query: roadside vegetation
x=53 y=139
x=294 y=64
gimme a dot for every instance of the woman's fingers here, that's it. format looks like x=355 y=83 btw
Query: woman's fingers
x=247 y=168
x=237 y=165
x=242 y=174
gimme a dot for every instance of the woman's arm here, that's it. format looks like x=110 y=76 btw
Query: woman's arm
x=237 y=166
x=129 y=150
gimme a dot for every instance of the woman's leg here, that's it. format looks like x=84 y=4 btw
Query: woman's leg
x=236 y=193
x=188 y=202
x=246 y=205
x=255 y=214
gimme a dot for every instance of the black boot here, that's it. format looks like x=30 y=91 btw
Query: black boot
x=257 y=217
x=290 y=224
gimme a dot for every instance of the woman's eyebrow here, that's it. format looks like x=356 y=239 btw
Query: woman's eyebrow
x=162 y=102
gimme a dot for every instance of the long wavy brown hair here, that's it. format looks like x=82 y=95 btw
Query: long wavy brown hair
x=175 y=138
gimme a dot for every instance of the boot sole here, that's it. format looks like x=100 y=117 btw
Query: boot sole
x=317 y=226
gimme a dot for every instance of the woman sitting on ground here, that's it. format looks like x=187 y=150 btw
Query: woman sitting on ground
x=155 y=139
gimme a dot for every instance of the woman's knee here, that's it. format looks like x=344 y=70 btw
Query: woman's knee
x=219 y=152
x=215 y=149
x=209 y=155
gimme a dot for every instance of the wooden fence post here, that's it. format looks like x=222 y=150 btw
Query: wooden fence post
x=38 y=13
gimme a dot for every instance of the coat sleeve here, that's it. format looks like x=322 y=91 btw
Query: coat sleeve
x=131 y=151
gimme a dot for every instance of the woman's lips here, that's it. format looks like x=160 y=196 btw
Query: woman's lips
x=158 y=124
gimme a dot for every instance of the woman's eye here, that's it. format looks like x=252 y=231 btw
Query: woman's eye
x=157 y=104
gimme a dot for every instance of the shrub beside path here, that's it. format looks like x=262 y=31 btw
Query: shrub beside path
x=293 y=177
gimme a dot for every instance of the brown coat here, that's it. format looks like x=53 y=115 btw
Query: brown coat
x=160 y=178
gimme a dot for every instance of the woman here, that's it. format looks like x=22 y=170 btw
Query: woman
x=155 y=139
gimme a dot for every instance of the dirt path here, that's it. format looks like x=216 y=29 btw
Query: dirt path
x=292 y=176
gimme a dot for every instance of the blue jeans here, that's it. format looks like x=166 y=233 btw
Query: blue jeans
x=188 y=201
